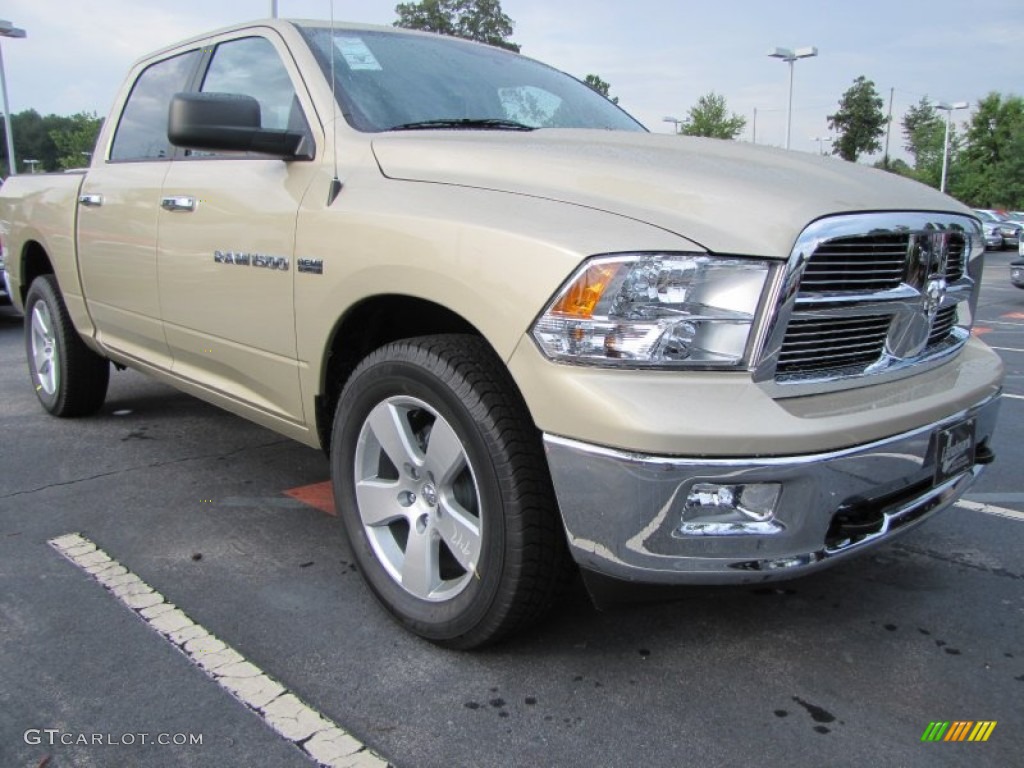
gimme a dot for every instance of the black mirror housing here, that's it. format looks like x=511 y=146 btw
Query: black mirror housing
x=227 y=122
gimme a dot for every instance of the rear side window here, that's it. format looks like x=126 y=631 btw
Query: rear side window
x=142 y=132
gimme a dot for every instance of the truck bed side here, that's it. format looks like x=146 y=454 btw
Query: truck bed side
x=37 y=225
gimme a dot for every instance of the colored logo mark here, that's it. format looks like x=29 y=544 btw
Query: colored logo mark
x=959 y=730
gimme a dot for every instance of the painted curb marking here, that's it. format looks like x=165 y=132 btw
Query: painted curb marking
x=320 y=739
x=991 y=509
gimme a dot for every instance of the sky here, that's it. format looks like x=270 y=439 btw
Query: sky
x=659 y=56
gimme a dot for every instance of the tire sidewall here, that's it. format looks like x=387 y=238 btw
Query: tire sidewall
x=374 y=382
x=42 y=292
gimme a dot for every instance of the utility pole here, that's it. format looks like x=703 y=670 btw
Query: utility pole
x=888 y=129
x=755 y=126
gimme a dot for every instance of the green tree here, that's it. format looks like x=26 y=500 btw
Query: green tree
x=897 y=166
x=924 y=130
x=56 y=141
x=76 y=139
x=860 y=121
x=990 y=170
x=710 y=117
x=480 y=20
x=599 y=85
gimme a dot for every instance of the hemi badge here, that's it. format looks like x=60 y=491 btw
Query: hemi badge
x=311 y=266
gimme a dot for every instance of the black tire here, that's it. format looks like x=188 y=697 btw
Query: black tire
x=470 y=456
x=69 y=378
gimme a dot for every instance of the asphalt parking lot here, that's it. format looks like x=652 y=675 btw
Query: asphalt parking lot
x=220 y=518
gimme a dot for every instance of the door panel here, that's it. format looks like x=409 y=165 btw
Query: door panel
x=226 y=244
x=230 y=322
x=117 y=220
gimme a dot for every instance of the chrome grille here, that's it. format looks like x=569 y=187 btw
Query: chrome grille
x=955 y=265
x=868 y=295
x=860 y=263
x=944 y=321
x=821 y=345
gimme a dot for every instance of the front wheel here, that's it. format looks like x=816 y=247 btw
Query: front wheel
x=69 y=378
x=444 y=491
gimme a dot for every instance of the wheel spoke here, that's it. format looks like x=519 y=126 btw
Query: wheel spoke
x=445 y=454
x=44 y=349
x=421 y=571
x=43 y=322
x=378 y=501
x=461 y=533
x=392 y=430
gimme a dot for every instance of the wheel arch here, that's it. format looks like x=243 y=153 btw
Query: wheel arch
x=368 y=325
x=35 y=261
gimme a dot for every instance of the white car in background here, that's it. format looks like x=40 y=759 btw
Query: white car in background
x=1009 y=229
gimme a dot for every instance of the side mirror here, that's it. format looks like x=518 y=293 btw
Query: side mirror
x=228 y=122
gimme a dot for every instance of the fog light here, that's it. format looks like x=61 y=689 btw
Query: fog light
x=722 y=510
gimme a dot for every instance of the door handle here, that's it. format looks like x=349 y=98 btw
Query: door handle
x=91 y=200
x=178 y=203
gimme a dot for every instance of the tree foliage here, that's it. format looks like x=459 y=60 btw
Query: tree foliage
x=599 y=85
x=479 y=20
x=989 y=172
x=76 y=139
x=924 y=129
x=860 y=122
x=710 y=117
x=56 y=141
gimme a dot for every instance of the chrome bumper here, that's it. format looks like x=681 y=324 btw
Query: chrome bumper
x=623 y=512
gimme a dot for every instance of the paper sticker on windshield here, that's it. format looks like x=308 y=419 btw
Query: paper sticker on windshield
x=356 y=54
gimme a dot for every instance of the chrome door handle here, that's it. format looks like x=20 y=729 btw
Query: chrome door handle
x=92 y=200
x=178 y=203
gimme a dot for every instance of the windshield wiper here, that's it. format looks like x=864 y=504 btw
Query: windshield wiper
x=464 y=123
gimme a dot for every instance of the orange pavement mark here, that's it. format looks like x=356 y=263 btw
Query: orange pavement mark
x=318 y=495
x=1014 y=316
x=980 y=331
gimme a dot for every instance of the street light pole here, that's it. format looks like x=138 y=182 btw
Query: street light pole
x=945 y=148
x=790 y=56
x=273 y=9
x=674 y=120
x=8 y=30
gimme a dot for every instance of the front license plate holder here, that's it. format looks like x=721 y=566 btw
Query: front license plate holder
x=955 y=449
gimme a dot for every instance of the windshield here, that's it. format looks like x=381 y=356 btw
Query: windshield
x=397 y=81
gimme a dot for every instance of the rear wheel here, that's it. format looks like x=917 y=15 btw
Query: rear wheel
x=69 y=378
x=444 y=492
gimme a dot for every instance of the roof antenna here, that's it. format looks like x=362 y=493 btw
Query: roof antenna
x=335 y=189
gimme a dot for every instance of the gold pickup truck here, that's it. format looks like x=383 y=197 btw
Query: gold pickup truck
x=532 y=336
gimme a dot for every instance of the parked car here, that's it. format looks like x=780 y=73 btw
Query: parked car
x=1010 y=230
x=5 y=285
x=993 y=237
x=1017 y=272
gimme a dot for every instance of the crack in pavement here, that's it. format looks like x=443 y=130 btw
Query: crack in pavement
x=955 y=560
x=152 y=465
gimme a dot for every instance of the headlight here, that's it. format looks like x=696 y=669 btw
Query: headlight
x=655 y=310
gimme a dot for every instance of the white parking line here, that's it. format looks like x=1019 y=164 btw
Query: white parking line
x=990 y=509
x=318 y=738
x=1014 y=397
x=1007 y=349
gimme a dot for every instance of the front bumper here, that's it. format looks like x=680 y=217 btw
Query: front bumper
x=623 y=512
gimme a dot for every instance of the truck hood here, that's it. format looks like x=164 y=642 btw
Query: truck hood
x=726 y=196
